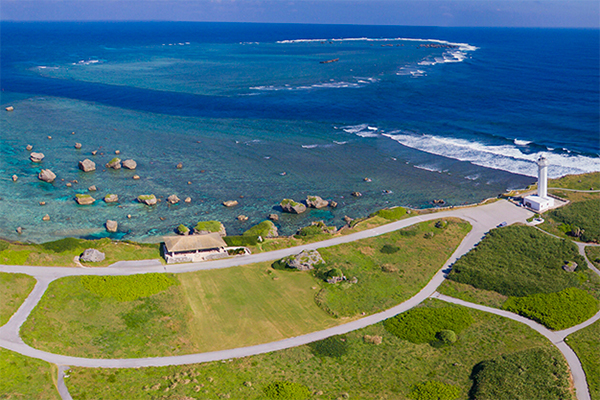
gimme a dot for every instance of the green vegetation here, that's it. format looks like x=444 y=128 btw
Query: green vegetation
x=286 y=390
x=422 y=324
x=262 y=229
x=446 y=336
x=580 y=220
x=61 y=252
x=316 y=228
x=472 y=294
x=333 y=346
x=290 y=202
x=556 y=311
x=389 y=249
x=585 y=343
x=26 y=378
x=530 y=374
x=14 y=289
x=3 y=245
x=519 y=261
x=128 y=287
x=183 y=230
x=593 y=254
x=433 y=390
x=115 y=160
x=367 y=371
x=241 y=240
x=145 y=197
x=391 y=214
x=384 y=280
x=589 y=181
x=208 y=226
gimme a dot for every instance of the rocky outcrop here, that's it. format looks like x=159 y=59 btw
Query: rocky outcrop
x=265 y=229
x=179 y=166
x=242 y=218
x=188 y=200
x=316 y=202
x=570 y=266
x=46 y=175
x=274 y=217
x=304 y=261
x=92 y=188
x=129 y=164
x=136 y=177
x=19 y=230
x=29 y=147
x=291 y=206
x=356 y=194
x=333 y=204
x=46 y=217
x=10 y=108
x=84 y=199
x=78 y=146
x=148 y=199
x=230 y=203
x=111 y=198
x=36 y=157
x=111 y=226
x=14 y=178
x=173 y=199
x=347 y=219
x=115 y=163
x=204 y=227
x=182 y=230
x=92 y=255
x=87 y=165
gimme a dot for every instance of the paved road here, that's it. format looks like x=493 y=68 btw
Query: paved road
x=557 y=338
x=482 y=219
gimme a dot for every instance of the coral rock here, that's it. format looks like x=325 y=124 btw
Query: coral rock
x=87 y=165
x=230 y=203
x=111 y=226
x=129 y=164
x=36 y=157
x=46 y=175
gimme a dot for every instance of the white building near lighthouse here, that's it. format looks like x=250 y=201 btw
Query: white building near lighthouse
x=540 y=202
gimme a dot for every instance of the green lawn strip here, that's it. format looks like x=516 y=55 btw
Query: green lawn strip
x=62 y=252
x=593 y=254
x=367 y=371
x=579 y=182
x=14 y=289
x=26 y=378
x=469 y=293
x=386 y=279
x=586 y=343
x=518 y=261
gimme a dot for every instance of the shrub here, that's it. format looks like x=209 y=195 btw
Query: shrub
x=129 y=287
x=556 y=311
x=408 y=232
x=433 y=390
x=518 y=261
x=286 y=390
x=62 y=245
x=529 y=374
x=391 y=214
x=241 y=240
x=428 y=235
x=262 y=229
x=334 y=272
x=389 y=268
x=389 y=249
x=446 y=336
x=3 y=245
x=310 y=230
x=333 y=346
x=420 y=325
x=208 y=226
x=583 y=219
x=441 y=224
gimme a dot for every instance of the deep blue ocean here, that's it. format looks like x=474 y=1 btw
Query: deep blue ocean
x=254 y=114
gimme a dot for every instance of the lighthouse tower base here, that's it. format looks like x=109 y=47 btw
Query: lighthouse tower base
x=537 y=203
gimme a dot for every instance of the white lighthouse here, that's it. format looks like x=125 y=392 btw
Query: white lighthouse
x=541 y=202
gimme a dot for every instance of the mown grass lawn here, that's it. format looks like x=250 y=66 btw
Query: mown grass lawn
x=367 y=371
x=26 y=378
x=239 y=306
x=14 y=289
x=586 y=343
x=61 y=253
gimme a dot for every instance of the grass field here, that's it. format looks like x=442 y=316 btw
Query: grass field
x=586 y=343
x=240 y=306
x=62 y=254
x=593 y=254
x=14 y=289
x=26 y=378
x=472 y=294
x=579 y=220
x=367 y=371
x=578 y=182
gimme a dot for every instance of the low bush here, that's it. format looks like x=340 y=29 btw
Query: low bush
x=334 y=273
x=241 y=240
x=421 y=324
x=62 y=245
x=316 y=228
x=333 y=346
x=582 y=219
x=441 y=224
x=446 y=336
x=434 y=390
x=3 y=245
x=389 y=249
x=285 y=390
x=529 y=374
x=518 y=261
x=129 y=287
x=556 y=311
x=391 y=214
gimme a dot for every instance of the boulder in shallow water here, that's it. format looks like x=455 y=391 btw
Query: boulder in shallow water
x=188 y=200
x=29 y=147
x=230 y=203
x=179 y=166
x=14 y=178
x=173 y=199
x=291 y=206
x=111 y=226
x=87 y=165
x=46 y=175
x=92 y=255
x=84 y=199
x=9 y=108
x=316 y=202
x=242 y=218
x=148 y=199
x=115 y=163
x=111 y=198
x=77 y=145
x=92 y=188
x=46 y=217
x=129 y=164
x=274 y=217
x=36 y=157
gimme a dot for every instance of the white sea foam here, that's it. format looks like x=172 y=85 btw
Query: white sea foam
x=340 y=143
x=362 y=130
x=88 y=62
x=372 y=128
x=354 y=128
x=360 y=82
x=309 y=146
x=428 y=168
x=461 y=46
x=521 y=142
x=502 y=157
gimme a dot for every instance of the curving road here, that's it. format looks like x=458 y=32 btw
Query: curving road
x=482 y=219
